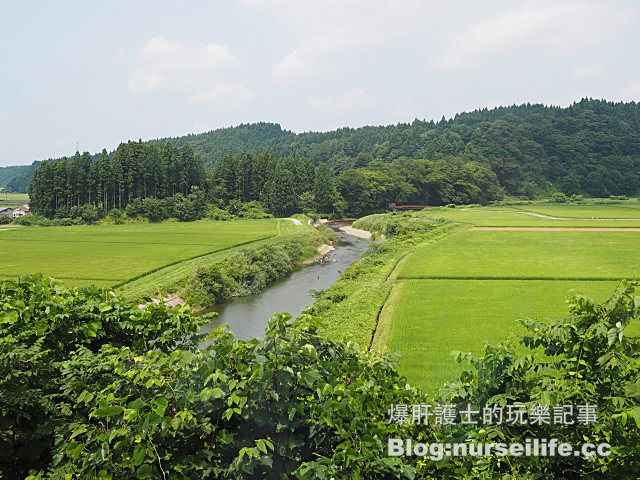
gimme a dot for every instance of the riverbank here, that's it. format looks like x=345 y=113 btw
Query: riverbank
x=247 y=317
x=356 y=232
x=351 y=306
x=251 y=270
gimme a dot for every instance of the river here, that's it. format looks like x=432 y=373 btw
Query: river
x=247 y=316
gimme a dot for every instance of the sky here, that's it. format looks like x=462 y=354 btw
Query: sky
x=89 y=75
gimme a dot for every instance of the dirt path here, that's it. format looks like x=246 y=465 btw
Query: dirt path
x=559 y=229
x=548 y=217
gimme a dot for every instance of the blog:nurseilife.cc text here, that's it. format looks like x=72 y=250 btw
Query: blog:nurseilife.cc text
x=531 y=447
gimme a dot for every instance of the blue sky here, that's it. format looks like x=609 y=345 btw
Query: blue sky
x=94 y=74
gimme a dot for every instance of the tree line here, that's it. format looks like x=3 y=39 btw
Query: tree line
x=589 y=148
x=144 y=180
x=136 y=171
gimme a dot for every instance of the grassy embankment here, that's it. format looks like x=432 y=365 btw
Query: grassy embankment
x=350 y=307
x=172 y=277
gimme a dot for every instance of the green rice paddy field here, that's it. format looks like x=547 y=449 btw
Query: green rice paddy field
x=528 y=255
x=598 y=216
x=105 y=255
x=13 y=199
x=472 y=286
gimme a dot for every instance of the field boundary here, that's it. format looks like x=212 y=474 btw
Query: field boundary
x=557 y=229
x=483 y=278
x=384 y=322
x=184 y=260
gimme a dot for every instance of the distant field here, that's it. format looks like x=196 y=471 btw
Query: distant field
x=435 y=317
x=596 y=212
x=13 y=199
x=581 y=216
x=109 y=254
x=472 y=286
x=528 y=255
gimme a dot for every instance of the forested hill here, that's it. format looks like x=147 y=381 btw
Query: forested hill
x=16 y=178
x=591 y=147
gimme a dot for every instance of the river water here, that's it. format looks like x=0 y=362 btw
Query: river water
x=247 y=317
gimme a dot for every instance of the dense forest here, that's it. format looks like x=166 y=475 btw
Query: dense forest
x=591 y=147
x=136 y=171
x=16 y=178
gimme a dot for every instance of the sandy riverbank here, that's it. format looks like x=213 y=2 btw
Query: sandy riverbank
x=356 y=232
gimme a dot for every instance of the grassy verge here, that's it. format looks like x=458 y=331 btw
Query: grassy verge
x=351 y=306
x=173 y=277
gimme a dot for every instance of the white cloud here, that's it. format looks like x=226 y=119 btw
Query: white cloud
x=225 y=95
x=405 y=108
x=167 y=65
x=355 y=100
x=537 y=28
x=329 y=31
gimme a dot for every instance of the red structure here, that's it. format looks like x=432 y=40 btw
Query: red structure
x=400 y=208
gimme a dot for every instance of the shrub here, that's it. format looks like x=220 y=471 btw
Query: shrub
x=216 y=213
x=587 y=358
x=93 y=387
x=250 y=210
x=49 y=331
x=117 y=216
x=558 y=197
x=153 y=209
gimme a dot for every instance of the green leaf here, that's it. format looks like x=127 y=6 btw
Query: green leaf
x=78 y=431
x=145 y=471
x=85 y=397
x=159 y=406
x=635 y=414
x=9 y=317
x=139 y=454
x=261 y=446
x=113 y=410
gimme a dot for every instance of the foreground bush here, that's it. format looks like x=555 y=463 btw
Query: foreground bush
x=96 y=388
x=92 y=387
x=46 y=330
